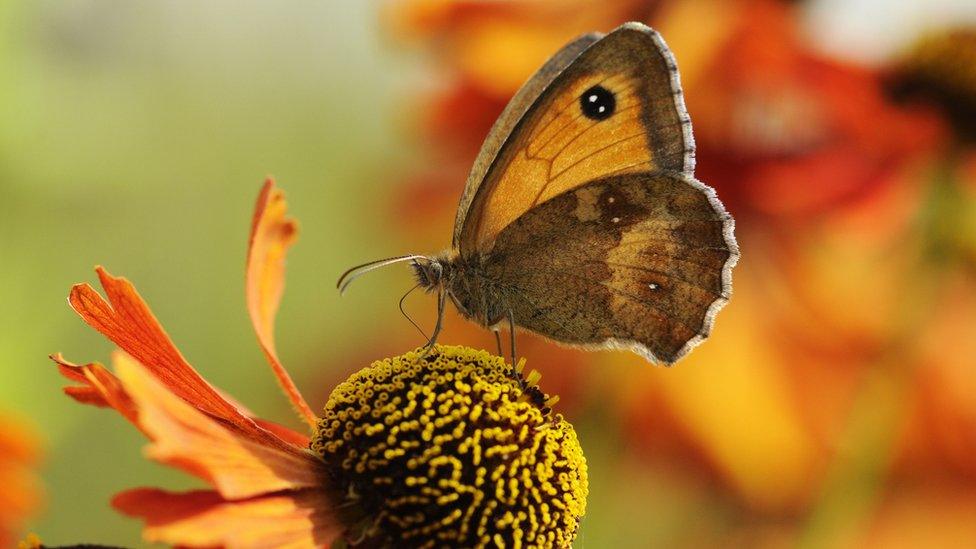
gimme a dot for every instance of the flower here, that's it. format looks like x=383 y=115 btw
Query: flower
x=457 y=448
x=21 y=494
x=448 y=445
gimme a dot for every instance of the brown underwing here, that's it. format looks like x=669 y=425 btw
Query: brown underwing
x=581 y=219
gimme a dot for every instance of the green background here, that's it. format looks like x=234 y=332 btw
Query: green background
x=136 y=136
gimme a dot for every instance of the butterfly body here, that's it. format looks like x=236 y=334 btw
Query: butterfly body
x=620 y=259
x=581 y=219
x=467 y=281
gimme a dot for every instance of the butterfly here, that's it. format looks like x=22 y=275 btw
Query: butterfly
x=582 y=220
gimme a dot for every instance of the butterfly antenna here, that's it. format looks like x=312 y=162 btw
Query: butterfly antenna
x=352 y=274
x=404 y=313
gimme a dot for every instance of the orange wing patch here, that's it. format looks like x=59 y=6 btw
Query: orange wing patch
x=563 y=149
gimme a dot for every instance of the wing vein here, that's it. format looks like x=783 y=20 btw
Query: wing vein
x=594 y=153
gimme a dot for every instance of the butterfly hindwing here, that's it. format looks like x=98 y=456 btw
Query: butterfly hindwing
x=616 y=108
x=639 y=261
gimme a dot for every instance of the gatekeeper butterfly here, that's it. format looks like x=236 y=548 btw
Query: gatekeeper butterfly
x=581 y=219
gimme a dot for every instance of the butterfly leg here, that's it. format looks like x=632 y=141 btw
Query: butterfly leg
x=498 y=340
x=511 y=335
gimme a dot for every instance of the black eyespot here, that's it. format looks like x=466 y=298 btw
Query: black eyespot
x=598 y=103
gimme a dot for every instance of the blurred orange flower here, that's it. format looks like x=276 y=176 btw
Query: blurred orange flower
x=840 y=374
x=21 y=496
x=786 y=132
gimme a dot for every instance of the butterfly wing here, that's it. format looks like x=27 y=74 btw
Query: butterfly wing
x=638 y=261
x=504 y=126
x=602 y=106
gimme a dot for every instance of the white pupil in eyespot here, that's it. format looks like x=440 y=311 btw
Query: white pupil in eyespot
x=593 y=98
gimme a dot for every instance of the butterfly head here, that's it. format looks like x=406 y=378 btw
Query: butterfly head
x=428 y=273
x=431 y=272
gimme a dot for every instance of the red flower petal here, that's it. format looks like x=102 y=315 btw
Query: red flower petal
x=272 y=233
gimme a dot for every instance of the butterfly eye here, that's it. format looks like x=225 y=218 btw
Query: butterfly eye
x=598 y=103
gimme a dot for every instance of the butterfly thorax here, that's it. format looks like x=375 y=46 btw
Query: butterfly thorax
x=464 y=279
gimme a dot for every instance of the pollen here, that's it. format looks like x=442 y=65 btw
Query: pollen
x=453 y=448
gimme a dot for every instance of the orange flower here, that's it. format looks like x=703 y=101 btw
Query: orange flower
x=267 y=488
x=451 y=445
x=21 y=493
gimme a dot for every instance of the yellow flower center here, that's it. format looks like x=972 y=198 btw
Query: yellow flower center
x=454 y=448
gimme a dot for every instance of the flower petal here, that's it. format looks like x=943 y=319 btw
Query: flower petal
x=99 y=387
x=127 y=321
x=272 y=233
x=284 y=433
x=203 y=518
x=184 y=437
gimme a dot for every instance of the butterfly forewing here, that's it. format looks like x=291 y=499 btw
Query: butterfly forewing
x=504 y=126
x=615 y=109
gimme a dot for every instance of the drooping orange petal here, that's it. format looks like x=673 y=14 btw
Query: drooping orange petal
x=202 y=518
x=182 y=436
x=127 y=321
x=99 y=387
x=272 y=233
x=185 y=437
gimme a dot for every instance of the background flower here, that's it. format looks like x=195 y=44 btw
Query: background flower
x=812 y=414
x=21 y=496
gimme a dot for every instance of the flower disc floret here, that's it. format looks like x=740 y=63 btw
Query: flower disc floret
x=453 y=448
